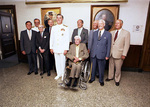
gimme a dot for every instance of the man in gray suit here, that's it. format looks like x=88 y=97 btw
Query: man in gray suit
x=28 y=46
x=100 y=51
x=80 y=31
x=95 y=28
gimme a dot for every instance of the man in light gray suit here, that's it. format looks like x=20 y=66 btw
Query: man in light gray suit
x=100 y=51
x=28 y=46
x=80 y=31
x=119 y=49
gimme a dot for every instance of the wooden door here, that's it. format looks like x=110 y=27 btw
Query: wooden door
x=145 y=60
x=7 y=44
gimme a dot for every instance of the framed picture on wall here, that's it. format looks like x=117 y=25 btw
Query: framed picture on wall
x=49 y=13
x=109 y=13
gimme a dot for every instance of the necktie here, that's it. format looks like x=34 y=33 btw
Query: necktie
x=41 y=35
x=29 y=34
x=99 y=35
x=50 y=30
x=116 y=35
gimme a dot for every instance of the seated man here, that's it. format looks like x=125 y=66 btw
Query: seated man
x=77 y=52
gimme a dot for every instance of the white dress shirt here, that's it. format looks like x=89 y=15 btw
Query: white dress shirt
x=29 y=32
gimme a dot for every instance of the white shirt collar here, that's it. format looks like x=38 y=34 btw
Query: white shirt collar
x=102 y=31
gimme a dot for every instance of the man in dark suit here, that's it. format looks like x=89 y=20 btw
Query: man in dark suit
x=80 y=31
x=28 y=46
x=100 y=51
x=42 y=43
x=48 y=30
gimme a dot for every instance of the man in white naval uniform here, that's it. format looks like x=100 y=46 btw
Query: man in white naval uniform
x=59 y=44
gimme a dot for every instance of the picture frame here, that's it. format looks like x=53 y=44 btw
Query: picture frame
x=109 y=13
x=49 y=13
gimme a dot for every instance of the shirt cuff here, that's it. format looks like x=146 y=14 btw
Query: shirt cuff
x=80 y=58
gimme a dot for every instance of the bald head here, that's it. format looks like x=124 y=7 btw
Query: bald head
x=119 y=24
x=95 y=24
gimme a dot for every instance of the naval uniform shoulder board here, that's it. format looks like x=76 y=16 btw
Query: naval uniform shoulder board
x=65 y=25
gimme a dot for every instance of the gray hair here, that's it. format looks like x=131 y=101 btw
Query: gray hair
x=101 y=20
x=77 y=37
x=40 y=25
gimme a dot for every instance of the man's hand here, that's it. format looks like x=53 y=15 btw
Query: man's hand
x=106 y=58
x=41 y=50
x=23 y=52
x=51 y=50
x=65 y=52
x=123 y=57
x=75 y=59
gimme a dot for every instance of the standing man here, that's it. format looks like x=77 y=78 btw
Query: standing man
x=59 y=44
x=80 y=31
x=95 y=28
x=28 y=46
x=48 y=29
x=119 y=49
x=42 y=43
x=100 y=51
x=35 y=28
x=36 y=23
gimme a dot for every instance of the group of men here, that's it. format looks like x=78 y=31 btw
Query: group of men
x=52 y=46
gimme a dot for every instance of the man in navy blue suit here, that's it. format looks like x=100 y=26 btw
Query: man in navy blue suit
x=100 y=51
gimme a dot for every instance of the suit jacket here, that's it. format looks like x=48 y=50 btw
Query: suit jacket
x=26 y=44
x=47 y=29
x=90 y=39
x=83 y=53
x=43 y=42
x=101 y=48
x=121 y=45
x=84 y=35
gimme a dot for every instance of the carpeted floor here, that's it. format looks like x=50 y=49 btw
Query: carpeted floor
x=17 y=89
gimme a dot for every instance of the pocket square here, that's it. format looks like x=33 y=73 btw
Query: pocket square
x=44 y=36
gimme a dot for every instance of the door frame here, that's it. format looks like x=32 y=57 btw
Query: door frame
x=145 y=42
x=3 y=7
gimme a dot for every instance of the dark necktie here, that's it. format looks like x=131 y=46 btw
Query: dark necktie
x=116 y=35
x=50 y=30
x=99 y=35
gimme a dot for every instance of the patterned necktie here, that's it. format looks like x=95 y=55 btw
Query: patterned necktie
x=99 y=35
x=116 y=35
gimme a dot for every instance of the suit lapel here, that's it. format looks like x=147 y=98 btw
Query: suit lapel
x=81 y=32
x=119 y=36
x=27 y=34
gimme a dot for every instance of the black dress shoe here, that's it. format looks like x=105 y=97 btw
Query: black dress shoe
x=90 y=81
x=108 y=79
x=117 y=83
x=36 y=73
x=41 y=73
x=102 y=83
x=29 y=72
x=48 y=74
